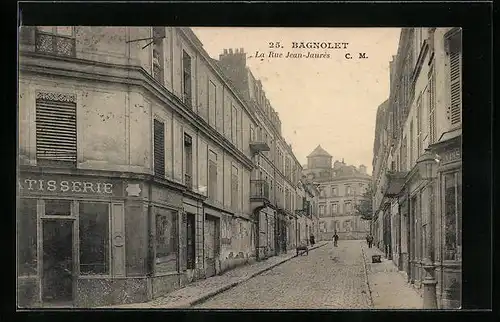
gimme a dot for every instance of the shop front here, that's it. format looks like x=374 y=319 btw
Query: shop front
x=93 y=238
x=449 y=220
x=70 y=233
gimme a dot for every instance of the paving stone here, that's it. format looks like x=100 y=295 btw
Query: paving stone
x=329 y=277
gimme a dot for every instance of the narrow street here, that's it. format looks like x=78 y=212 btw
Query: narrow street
x=328 y=278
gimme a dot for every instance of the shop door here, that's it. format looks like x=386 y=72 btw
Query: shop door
x=211 y=246
x=57 y=275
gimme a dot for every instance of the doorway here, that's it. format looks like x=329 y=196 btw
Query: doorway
x=211 y=245
x=57 y=275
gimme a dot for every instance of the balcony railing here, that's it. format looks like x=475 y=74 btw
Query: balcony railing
x=259 y=189
x=55 y=44
x=188 y=181
x=158 y=73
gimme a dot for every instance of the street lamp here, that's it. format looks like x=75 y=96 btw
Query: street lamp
x=427 y=169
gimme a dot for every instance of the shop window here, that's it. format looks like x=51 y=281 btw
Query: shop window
x=26 y=237
x=453 y=216
x=94 y=238
x=166 y=240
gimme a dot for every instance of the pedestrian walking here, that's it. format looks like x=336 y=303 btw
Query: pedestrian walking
x=369 y=240
x=335 y=239
x=311 y=240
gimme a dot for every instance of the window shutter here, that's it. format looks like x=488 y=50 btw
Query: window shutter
x=455 y=108
x=56 y=130
x=432 y=106
x=159 y=149
x=212 y=180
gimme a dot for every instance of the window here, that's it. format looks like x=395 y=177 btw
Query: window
x=166 y=240
x=454 y=54
x=188 y=159
x=334 y=191
x=158 y=35
x=27 y=237
x=186 y=78
x=252 y=134
x=322 y=210
x=234 y=119
x=348 y=190
x=57 y=208
x=404 y=153
x=56 y=128
x=212 y=175
x=419 y=126
x=453 y=216
x=411 y=143
x=190 y=241
x=347 y=207
x=212 y=103
x=55 y=40
x=94 y=238
x=234 y=188
x=159 y=148
x=335 y=208
x=431 y=90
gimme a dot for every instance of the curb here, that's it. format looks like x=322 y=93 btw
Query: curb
x=229 y=286
x=370 y=297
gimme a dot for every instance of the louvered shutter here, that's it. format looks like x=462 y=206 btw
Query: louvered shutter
x=159 y=149
x=55 y=130
x=455 y=87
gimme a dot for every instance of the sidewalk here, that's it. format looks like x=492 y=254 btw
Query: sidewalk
x=202 y=290
x=388 y=287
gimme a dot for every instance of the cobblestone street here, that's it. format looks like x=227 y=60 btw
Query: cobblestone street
x=328 y=278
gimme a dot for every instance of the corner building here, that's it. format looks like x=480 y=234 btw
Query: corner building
x=135 y=160
x=341 y=187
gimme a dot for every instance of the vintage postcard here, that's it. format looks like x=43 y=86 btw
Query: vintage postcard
x=239 y=168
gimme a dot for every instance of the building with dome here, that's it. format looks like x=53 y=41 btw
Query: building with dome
x=341 y=187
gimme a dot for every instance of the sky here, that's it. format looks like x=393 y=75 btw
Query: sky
x=328 y=101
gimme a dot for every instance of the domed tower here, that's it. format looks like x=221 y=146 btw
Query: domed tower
x=319 y=159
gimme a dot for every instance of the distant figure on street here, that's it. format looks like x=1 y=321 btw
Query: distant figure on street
x=369 y=240
x=335 y=239
x=311 y=240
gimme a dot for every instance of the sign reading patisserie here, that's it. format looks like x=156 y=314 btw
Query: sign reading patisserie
x=65 y=186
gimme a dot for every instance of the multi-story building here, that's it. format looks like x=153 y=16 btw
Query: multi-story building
x=341 y=187
x=135 y=162
x=278 y=169
x=419 y=211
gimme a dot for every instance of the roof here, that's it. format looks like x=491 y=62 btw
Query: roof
x=319 y=152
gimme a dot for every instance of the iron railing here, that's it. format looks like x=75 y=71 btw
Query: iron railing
x=259 y=189
x=55 y=44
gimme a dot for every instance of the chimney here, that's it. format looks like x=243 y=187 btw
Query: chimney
x=230 y=51
x=362 y=169
x=225 y=51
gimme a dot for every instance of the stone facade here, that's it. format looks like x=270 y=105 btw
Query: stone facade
x=418 y=214
x=341 y=187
